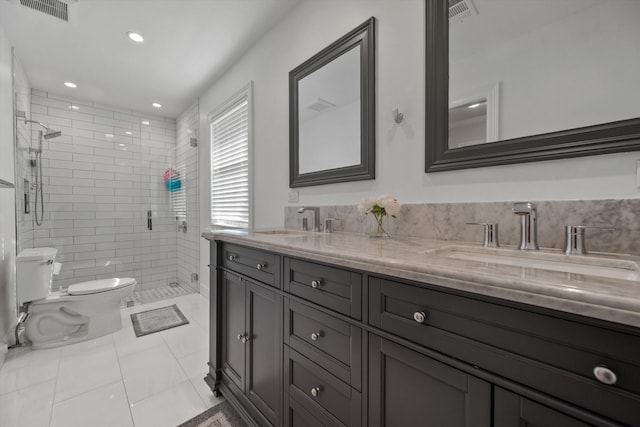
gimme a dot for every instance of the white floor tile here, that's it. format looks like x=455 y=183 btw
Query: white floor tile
x=196 y=314
x=86 y=369
x=205 y=392
x=195 y=364
x=29 y=407
x=104 y=406
x=149 y=372
x=25 y=367
x=186 y=340
x=169 y=408
x=84 y=346
x=127 y=343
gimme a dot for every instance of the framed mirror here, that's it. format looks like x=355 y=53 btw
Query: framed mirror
x=512 y=81
x=332 y=112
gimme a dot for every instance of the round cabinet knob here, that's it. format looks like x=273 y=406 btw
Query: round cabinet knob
x=419 y=316
x=315 y=391
x=260 y=266
x=315 y=336
x=239 y=337
x=315 y=284
x=605 y=375
x=232 y=257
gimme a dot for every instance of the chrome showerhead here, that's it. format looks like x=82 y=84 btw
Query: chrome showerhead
x=50 y=133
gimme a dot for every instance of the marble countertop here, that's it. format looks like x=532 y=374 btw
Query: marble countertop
x=436 y=262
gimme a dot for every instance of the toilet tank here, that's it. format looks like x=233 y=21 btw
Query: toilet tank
x=34 y=273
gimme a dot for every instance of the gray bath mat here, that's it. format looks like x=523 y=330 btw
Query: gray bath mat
x=159 y=319
x=221 y=415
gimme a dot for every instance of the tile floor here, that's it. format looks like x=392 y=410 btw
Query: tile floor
x=114 y=381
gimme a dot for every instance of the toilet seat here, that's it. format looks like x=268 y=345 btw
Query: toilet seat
x=102 y=285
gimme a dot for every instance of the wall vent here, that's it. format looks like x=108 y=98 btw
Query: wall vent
x=461 y=9
x=56 y=8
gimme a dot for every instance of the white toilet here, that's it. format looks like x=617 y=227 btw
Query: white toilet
x=84 y=311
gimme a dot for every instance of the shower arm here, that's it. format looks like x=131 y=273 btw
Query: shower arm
x=49 y=133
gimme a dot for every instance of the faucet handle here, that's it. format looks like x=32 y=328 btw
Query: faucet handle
x=327 y=223
x=490 y=234
x=575 y=241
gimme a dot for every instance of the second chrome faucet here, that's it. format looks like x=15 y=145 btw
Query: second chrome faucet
x=528 y=225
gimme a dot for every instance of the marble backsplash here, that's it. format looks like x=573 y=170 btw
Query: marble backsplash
x=447 y=221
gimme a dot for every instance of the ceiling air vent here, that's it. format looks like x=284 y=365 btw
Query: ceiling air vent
x=461 y=9
x=320 y=105
x=56 y=8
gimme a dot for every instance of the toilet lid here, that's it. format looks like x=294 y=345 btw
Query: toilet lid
x=102 y=285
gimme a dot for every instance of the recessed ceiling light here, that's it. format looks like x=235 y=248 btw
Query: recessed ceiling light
x=121 y=145
x=108 y=135
x=71 y=85
x=145 y=122
x=474 y=105
x=136 y=37
x=155 y=104
x=128 y=132
x=74 y=107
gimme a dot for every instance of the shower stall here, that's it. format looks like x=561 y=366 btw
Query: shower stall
x=94 y=189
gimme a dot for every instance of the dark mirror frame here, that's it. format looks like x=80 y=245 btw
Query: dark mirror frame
x=613 y=137
x=363 y=36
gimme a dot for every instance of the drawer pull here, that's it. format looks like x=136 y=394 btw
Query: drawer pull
x=605 y=375
x=260 y=266
x=419 y=316
x=315 y=391
x=315 y=284
x=316 y=336
x=232 y=257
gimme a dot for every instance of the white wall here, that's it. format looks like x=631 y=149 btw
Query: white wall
x=7 y=201
x=400 y=74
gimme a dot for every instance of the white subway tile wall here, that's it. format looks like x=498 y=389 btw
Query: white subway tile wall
x=186 y=159
x=100 y=178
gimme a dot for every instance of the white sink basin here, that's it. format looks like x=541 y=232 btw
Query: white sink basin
x=587 y=265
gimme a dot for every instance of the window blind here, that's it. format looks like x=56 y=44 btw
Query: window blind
x=230 y=165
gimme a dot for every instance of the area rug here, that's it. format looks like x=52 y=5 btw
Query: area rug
x=159 y=319
x=221 y=415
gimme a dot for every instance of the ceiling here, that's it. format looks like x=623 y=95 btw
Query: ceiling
x=188 y=45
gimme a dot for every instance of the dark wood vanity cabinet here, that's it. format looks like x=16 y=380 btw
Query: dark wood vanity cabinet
x=251 y=355
x=321 y=345
x=406 y=387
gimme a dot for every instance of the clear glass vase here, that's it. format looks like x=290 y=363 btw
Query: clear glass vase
x=380 y=227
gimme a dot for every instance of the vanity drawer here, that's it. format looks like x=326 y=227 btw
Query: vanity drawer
x=548 y=353
x=333 y=344
x=334 y=288
x=257 y=264
x=319 y=391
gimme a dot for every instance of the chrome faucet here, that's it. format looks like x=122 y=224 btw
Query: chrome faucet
x=315 y=218
x=528 y=225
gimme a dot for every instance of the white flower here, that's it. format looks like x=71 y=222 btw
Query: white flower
x=367 y=204
x=381 y=206
x=390 y=204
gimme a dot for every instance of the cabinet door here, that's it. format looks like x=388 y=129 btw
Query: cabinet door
x=514 y=410
x=263 y=362
x=233 y=326
x=407 y=388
